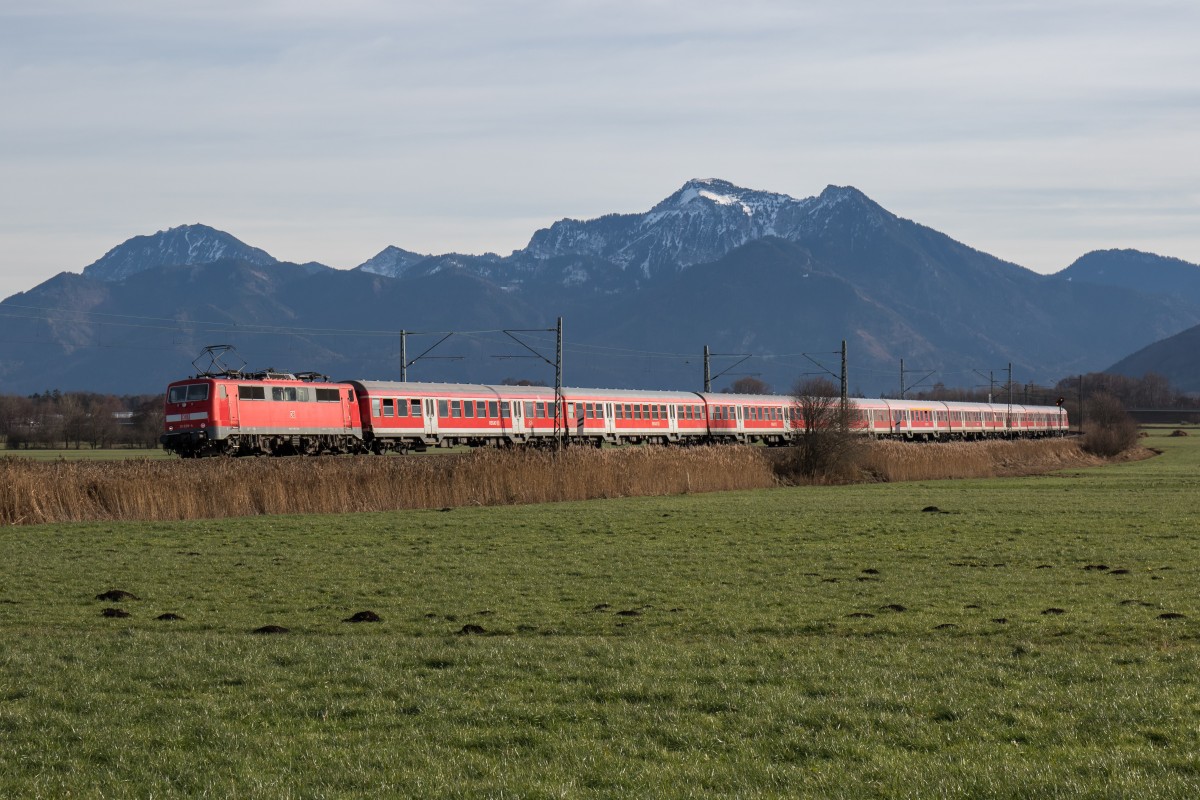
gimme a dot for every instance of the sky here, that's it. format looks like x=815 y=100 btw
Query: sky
x=319 y=131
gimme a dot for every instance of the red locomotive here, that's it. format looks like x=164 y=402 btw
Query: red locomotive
x=261 y=413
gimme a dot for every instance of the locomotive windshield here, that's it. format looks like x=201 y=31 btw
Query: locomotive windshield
x=189 y=393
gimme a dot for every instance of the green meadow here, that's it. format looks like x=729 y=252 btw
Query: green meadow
x=1032 y=637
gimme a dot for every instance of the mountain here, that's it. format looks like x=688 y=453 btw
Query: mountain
x=702 y=221
x=746 y=272
x=392 y=261
x=182 y=246
x=1133 y=269
x=1174 y=358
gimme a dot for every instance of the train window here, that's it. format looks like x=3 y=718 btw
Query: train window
x=401 y=408
x=481 y=408
x=541 y=410
x=443 y=408
x=456 y=408
x=528 y=409
x=389 y=407
x=504 y=409
x=350 y=395
x=221 y=391
x=327 y=396
x=302 y=394
x=637 y=411
x=287 y=393
x=416 y=407
x=620 y=411
x=374 y=406
x=469 y=409
x=190 y=393
x=590 y=410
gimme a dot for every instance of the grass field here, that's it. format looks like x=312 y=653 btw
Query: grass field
x=816 y=641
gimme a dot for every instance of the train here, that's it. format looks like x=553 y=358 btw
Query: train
x=239 y=413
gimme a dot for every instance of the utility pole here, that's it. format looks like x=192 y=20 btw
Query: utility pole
x=707 y=371
x=558 y=371
x=559 y=409
x=1008 y=421
x=845 y=397
x=404 y=356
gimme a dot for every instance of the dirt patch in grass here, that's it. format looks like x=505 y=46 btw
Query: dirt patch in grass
x=270 y=629
x=117 y=595
x=363 y=616
x=114 y=612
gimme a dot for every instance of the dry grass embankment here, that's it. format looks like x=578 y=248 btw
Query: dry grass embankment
x=33 y=492
x=898 y=461
x=71 y=491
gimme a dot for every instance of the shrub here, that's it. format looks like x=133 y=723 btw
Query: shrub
x=1109 y=428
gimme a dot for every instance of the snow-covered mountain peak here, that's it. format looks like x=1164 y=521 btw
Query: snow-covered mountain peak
x=702 y=221
x=184 y=245
x=392 y=261
x=700 y=193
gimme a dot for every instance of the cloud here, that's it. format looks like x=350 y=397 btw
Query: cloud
x=458 y=126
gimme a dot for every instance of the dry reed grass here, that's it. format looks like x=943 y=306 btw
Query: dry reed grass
x=38 y=492
x=70 y=491
x=899 y=461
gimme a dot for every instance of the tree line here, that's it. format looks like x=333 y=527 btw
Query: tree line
x=75 y=420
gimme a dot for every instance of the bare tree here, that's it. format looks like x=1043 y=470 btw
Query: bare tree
x=824 y=447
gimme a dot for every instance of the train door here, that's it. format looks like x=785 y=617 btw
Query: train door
x=347 y=410
x=518 y=418
x=229 y=398
x=430 y=416
x=609 y=421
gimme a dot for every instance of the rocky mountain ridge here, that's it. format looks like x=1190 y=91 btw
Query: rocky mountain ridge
x=713 y=263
